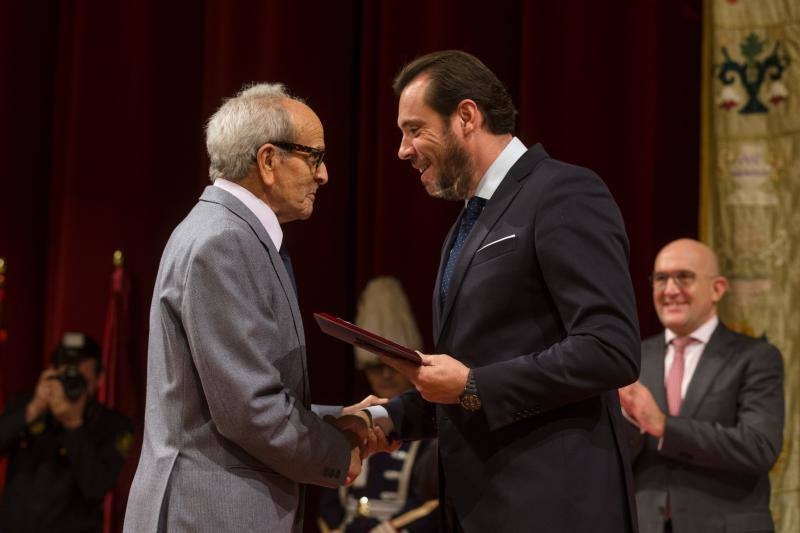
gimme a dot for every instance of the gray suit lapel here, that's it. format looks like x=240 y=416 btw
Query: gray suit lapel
x=494 y=209
x=230 y=202
x=711 y=361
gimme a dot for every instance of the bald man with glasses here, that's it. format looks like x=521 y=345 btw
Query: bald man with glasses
x=707 y=412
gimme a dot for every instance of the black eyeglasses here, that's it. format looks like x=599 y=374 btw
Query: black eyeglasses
x=315 y=155
x=682 y=278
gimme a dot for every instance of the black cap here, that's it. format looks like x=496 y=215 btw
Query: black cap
x=75 y=347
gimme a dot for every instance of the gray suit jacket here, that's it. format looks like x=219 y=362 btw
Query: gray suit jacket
x=716 y=455
x=229 y=437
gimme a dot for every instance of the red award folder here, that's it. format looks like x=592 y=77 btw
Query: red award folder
x=352 y=334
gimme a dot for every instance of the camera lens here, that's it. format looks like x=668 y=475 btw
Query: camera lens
x=73 y=382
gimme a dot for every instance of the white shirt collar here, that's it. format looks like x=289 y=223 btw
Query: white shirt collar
x=499 y=168
x=261 y=210
x=702 y=334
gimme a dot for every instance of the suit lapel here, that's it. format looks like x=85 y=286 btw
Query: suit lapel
x=653 y=370
x=230 y=202
x=494 y=209
x=711 y=361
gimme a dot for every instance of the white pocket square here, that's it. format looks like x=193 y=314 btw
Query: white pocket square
x=495 y=242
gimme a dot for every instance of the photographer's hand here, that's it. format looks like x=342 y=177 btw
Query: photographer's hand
x=41 y=396
x=68 y=414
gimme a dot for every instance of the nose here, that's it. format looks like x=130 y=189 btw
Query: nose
x=321 y=175
x=671 y=286
x=406 y=150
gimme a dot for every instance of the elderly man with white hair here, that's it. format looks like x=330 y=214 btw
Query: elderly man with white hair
x=230 y=434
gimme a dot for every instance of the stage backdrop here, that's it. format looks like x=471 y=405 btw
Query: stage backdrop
x=751 y=193
x=103 y=106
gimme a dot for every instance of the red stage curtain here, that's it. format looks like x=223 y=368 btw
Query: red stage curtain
x=103 y=106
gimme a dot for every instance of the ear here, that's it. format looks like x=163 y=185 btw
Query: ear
x=718 y=288
x=468 y=117
x=267 y=158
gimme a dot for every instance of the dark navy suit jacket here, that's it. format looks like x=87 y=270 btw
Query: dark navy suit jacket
x=542 y=307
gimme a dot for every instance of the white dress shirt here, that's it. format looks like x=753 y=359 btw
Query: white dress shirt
x=499 y=168
x=261 y=210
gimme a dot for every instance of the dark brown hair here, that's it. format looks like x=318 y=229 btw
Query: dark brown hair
x=457 y=76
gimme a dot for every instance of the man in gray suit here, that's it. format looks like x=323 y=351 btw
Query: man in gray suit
x=708 y=407
x=230 y=434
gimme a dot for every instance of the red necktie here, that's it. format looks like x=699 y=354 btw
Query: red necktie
x=675 y=376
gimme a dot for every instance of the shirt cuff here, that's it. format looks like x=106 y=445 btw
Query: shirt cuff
x=381 y=418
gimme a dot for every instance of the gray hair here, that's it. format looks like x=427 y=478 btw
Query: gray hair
x=242 y=124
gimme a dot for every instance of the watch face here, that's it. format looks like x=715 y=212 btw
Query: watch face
x=470 y=402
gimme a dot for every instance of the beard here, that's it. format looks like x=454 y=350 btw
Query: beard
x=455 y=170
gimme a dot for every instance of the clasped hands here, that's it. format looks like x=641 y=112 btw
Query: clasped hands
x=365 y=437
x=440 y=379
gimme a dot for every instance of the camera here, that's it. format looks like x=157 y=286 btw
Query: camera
x=73 y=382
x=74 y=348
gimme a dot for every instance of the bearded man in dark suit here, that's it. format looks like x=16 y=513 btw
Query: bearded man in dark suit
x=534 y=318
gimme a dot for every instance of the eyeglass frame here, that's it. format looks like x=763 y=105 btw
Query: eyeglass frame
x=316 y=154
x=689 y=275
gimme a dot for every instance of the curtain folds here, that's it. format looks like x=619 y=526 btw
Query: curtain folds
x=104 y=104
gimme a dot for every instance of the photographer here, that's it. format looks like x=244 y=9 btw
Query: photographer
x=64 y=448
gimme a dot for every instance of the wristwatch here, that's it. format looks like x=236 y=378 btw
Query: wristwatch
x=469 y=399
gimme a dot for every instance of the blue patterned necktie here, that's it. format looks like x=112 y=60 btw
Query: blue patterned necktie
x=287 y=262
x=468 y=218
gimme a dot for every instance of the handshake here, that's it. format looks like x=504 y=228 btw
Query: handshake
x=364 y=436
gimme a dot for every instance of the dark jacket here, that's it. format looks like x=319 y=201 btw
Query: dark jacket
x=541 y=305
x=57 y=477
x=715 y=458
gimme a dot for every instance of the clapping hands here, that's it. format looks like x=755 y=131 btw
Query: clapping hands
x=641 y=407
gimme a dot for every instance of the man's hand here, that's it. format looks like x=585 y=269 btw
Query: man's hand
x=68 y=414
x=363 y=404
x=382 y=443
x=41 y=396
x=355 y=466
x=360 y=432
x=440 y=378
x=638 y=402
